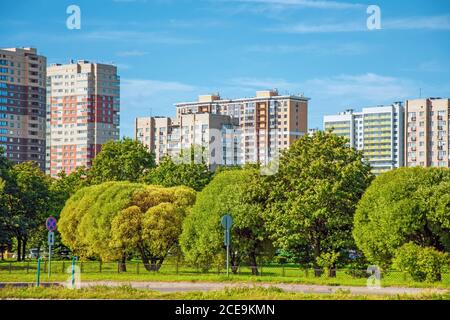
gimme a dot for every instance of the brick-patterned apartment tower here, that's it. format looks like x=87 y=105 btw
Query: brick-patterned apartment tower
x=22 y=105
x=83 y=105
x=268 y=122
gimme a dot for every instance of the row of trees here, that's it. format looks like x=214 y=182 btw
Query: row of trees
x=28 y=196
x=306 y=208
x=322 y=208
x=117 y=220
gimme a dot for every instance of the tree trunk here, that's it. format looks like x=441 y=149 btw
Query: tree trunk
x=19 y=248
x=123 y=264
x=156 y=263
x=234 y=262
x=332 y=271
x=24 y=247
x=253 y=264
x=317 y=270
x=150 y=264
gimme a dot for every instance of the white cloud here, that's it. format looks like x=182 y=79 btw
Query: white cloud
x=139 y=97
x=368 y=87
x=315 y=4
x=131 y=53
x=139 y=37
x=430 y=23
x=314 y=48
x=342 y=89
x=320 y=28
x=254 y=84
x=129 y=1
x=418 y=23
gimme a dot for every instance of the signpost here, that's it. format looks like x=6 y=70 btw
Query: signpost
x=50 y=223
x=227 y=222
x=38 y=273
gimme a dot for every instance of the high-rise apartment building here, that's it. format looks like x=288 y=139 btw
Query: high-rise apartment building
x=427 y=132
x=22 y=105
x=268 y=122
x=211 y=135
x=231 y=132
x=83 y=105
x=377 y=131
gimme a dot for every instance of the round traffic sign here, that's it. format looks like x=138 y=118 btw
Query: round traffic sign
x=50 y=223
x=227 y=221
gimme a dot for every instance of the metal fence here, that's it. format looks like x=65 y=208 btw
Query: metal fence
x=183 y=269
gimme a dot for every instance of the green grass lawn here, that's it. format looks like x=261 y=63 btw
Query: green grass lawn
x=126 y=292
x=93 y=271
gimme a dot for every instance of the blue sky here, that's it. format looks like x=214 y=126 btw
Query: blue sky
x=170 y=51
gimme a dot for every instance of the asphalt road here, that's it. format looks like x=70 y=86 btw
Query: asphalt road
x=211 y=286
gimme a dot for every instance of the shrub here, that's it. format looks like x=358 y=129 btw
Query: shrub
x=357 y=268
x=327 y=261
x=422 y=263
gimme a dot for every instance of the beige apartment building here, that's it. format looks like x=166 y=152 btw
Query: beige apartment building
x=211 y=135
x=22 y=105
x=83 y=105
x=230 y=131
x=427 y=132
x=268 y=122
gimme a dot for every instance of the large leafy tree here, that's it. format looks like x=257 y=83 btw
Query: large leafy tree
x=401 y=206
x=152 y=223
x=6 y=187
x=236 y=192
x=170 y=174
x=124 y=160
x=113 y=220
x=313 y=196
x=67 y=184
x=29 y=205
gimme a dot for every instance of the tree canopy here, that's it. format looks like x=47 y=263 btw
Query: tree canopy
x=234 y=192
x=124 y=160
x=401 y=206
x=313 y=196
x=29 y=202
x=115 y=219
x=171 y=174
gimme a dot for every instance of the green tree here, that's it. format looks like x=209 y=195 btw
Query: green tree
x=236 y=192
x=156 y=215
x=124 y=160
x=5 y=190
x=401 y=206
x=62 y=188
x=29 y=205
x=171 y=174
x=67 y=184
x=313 y=196
x=114 y=220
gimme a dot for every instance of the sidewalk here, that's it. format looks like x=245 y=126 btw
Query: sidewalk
x=214 y=286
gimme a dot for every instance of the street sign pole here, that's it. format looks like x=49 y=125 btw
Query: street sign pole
x=51 y=242
x=227 y=221
x=50 y=223
x=49 y=260
x=38 y=273
x=228 y=253
x=73 y=272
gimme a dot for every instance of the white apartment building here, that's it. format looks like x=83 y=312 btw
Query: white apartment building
x=377 y=131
